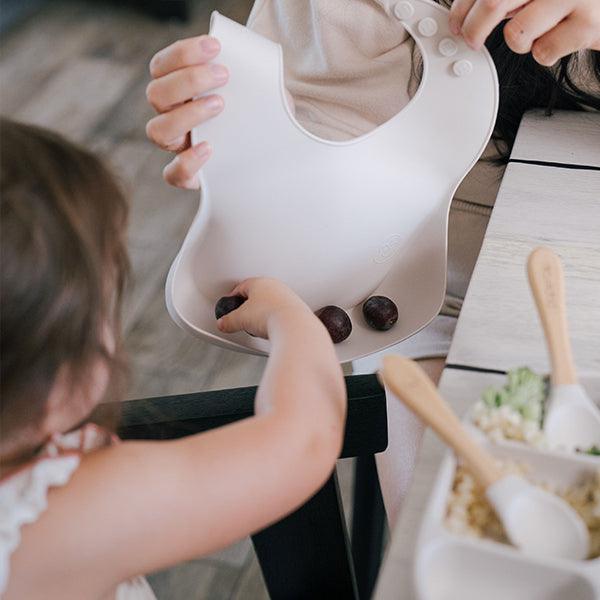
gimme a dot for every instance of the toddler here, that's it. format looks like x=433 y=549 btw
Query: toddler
x=82 y=516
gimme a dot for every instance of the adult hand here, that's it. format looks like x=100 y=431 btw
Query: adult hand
x=180 y=74
x=549 y=29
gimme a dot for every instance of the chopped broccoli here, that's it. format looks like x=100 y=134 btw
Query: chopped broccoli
x=594 y=451
x=525 y=392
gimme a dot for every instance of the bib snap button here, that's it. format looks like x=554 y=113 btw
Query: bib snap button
x=448 y=47
x=462 y=67
x=427 y=27
x=404 y=10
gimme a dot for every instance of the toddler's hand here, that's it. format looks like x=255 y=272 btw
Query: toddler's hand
x=181 y=72
x=268 y=301
x=549 y=29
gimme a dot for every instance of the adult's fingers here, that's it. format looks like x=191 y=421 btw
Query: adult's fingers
x=483 y=18
x=569 y=36
x=169 y=130
x=458 y=12
x=532 y=22
x=184 y=53
x=182 y=171
x=185 y=84
x=460 y=9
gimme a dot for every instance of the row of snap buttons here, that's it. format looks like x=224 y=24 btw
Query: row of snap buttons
x=404 y=10
x=448 y=47
x=428 y=27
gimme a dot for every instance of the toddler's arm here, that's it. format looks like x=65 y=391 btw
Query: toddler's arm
x=141 y=506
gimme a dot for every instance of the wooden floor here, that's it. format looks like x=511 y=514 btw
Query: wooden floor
x=81 y=68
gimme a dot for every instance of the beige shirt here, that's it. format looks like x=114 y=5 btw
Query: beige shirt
x=349 y=68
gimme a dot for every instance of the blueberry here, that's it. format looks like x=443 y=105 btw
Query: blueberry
x=380 y=313
x=336 y=321
x=227 y=304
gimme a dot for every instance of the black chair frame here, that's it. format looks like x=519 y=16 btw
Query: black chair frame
x=307 y=554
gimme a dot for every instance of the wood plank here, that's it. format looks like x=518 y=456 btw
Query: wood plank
x=150 y=380
x=127 y=120
x=34 y=50
x=499 y=327
x=14 y=11
x=194 y=580
x=236 y=555
x=251 y=584
x=565 y=137
x=81 y=85
x=159 y=219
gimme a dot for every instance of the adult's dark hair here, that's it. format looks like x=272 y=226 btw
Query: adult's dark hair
x=525 y=84
x=64 y=263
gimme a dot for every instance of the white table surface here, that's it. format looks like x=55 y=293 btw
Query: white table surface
x=566 y=137
x=538 y=204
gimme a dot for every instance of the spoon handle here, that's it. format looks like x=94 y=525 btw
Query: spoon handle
x=409 y=382
x=547 y=282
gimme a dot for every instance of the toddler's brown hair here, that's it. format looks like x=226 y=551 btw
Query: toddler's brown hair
x=64 y=263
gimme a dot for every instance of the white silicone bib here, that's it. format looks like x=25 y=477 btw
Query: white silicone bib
x=337 y=221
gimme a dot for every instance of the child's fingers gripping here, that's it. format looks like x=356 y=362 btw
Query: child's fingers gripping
x=184 y=53
x=234 y=321
x=245 y=287
x=532 y=22
x=182 y=171
x=169 y=130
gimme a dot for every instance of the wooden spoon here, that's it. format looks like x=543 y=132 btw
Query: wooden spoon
x=535 y=521
x=572 y=419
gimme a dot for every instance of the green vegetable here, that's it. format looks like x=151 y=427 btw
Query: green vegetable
x=594 y=451
x=524 y=392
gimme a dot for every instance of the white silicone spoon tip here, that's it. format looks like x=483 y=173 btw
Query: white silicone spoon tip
x=538 y=522
x=573 y=420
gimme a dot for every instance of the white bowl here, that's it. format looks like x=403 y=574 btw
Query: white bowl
x=591 y=384
x=453 y=567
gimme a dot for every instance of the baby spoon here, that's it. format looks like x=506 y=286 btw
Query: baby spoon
x=535 y=521
x=572 y=420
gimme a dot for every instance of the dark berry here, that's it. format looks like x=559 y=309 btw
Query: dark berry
x=380 y=313
x=336 y=321
x=227 y=304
